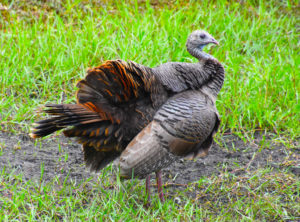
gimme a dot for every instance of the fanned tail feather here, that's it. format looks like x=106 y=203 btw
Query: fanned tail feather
x=107 y=99
x=64 y=115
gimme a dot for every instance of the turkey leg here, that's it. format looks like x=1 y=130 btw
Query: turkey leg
x=159 y=186
x=148 y=189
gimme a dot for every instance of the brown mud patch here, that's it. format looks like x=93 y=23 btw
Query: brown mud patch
x=60 y=157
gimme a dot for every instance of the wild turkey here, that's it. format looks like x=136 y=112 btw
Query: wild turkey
x=148 y=116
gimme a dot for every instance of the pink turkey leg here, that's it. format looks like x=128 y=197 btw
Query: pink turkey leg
x=159 y=186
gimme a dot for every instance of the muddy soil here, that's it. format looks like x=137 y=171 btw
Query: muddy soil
x=62 y=157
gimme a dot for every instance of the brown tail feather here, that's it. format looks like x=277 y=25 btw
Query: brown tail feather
x=109 y=100
x=65 y=115
x=111 y=87
x=99 y=135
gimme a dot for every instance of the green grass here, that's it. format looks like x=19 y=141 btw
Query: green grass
x=45 y=51
x=46 y=47
x=263 y=195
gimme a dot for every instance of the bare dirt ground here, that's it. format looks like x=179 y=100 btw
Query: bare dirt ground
x=62 y=157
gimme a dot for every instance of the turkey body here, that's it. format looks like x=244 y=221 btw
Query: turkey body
x=149 y=117
x=184 y=125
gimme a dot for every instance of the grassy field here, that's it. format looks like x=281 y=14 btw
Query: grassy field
x=256 y=196
x=46 y=47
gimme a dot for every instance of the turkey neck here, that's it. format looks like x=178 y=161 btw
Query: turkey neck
x=207 y=75
x=213 y=70
x=199 y=54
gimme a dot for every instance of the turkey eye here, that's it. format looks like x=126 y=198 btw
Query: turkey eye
x=202 y=36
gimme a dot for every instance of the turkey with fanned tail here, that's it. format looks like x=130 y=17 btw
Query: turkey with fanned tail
x=149 y=117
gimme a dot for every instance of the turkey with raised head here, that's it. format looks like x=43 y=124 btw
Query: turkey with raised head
x=149 y=117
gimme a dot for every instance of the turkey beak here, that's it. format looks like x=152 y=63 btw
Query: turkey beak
x=214 y=41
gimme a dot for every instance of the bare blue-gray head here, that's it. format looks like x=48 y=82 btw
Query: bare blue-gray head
x=198 y=39
x=196 y=42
